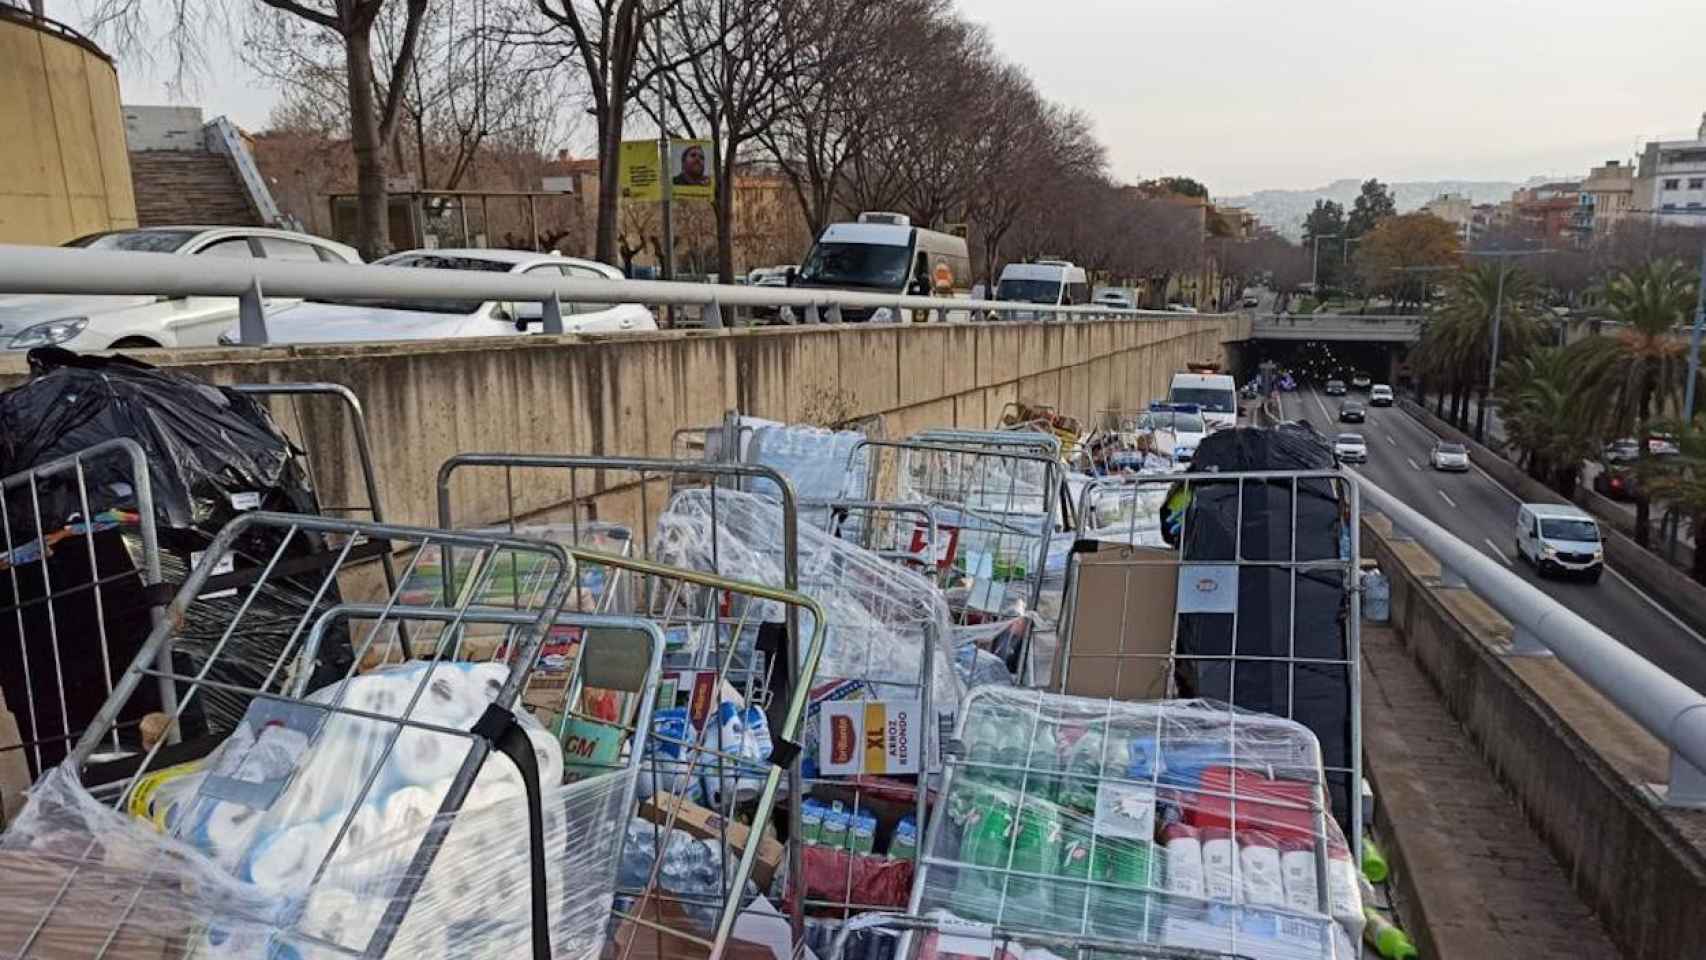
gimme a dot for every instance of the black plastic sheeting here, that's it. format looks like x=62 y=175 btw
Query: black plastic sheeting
x=213 y=453
x=1271 y=623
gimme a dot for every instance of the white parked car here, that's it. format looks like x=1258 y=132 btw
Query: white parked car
x=1118 y=299
x=1350 y=448
x=138 y=322
x=354 y=320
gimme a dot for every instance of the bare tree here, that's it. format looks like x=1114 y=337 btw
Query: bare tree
x=607 y=37
x=730 y=53
x=373 y=116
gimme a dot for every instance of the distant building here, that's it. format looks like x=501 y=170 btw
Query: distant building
x=1670 y=180
x=1606 y=198
x=1240 y=223
x=1455 y=209
x=1548 y=210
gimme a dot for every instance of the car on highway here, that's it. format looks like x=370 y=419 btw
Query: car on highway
x=1118 y=299
x=1351 y=412
x=1250 y=303
x=1449 y=457
x=1628 y=449
x=1559 y=541
x=1214 y=394
x=1361 y=381
x=1350 y=448
x=361 y=319
x=1175 y=428
x=1054 y=283
x=1380 y=395
x=102 y=322
x=884 y=253
x=1335 y=388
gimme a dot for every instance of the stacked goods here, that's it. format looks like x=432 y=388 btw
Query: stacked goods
x=1181 y=824
x=300 y=837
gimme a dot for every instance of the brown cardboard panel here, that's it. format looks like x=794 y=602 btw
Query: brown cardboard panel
x=1122 y=627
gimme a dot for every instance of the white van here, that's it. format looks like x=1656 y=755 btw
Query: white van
x=885 y=253
x=1559 y=540
x=1053 y=282
x=1215 y=393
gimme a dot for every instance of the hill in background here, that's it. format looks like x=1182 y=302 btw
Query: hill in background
x=1284 y=210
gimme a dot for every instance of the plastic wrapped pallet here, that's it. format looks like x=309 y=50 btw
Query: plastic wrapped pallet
x=212 y=454
x=813 y=459
x=1169 y=823
x=881 y=616
x=265 y=853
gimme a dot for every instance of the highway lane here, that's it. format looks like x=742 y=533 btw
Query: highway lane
x=1482 y=513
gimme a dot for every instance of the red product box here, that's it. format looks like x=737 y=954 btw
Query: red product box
x=1287 y=815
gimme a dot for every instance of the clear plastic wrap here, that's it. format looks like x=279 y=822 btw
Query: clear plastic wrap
x=881 y=617
x=1174 y=823
x=302 y=828
x=813 y=459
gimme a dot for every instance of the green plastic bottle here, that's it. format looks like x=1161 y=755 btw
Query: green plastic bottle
x=1072 y=891
x=986 y=835
x=1043 y=780
x=1386 y=939
x=1373 y=862
x=1121 y=910
x=1036 y=861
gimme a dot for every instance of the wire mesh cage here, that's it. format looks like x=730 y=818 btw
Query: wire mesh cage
x=70 y=572
x=1237 y=586
x=311 y=824
x=997 y=508
x=1173 y=828
x=882 y=696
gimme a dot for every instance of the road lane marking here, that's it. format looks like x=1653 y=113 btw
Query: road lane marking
x=1413 y=464
x=1323 y=406
x=1390 y=440
x=1449 y=502
x=1494 y=549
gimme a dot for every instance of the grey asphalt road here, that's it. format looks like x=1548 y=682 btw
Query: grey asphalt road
x=1483 y=514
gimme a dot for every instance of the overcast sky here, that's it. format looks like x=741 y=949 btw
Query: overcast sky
x=1247 y=94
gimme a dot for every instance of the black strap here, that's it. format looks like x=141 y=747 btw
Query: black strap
x=499 y=728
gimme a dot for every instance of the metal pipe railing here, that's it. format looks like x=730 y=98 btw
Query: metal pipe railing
x=46 y=270
x=1664 y=706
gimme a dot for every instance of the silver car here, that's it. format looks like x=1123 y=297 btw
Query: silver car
x=1448 y=456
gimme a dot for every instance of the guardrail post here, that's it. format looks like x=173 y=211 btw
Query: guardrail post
x=251 y=316
x=835 y=313
x=551 y=314
x=1687 y=786
x=812 y=316
x=1451 y=578
x=711 y=317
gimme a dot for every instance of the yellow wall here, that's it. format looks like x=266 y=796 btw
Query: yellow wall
x=64 y=171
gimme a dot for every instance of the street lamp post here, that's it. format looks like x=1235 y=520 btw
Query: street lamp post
x=1315 y=271
x=1694 y=339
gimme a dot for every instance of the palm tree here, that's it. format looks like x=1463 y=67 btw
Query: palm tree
x=1636 y=375
x=1543 y=417
x=1681 y=481
x=1456 y=343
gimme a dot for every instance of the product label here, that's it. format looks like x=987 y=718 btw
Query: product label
x=226 y=564
x=942 y=552
x=590 y=749
x=1208 y=588
x=872 y=736
x=1125 y=810
x=246 y=500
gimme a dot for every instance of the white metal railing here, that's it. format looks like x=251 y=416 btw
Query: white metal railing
x=45 y=270
x=1666 y=707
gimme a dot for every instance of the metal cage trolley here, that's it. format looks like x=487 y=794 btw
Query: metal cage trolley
x=1237 y=586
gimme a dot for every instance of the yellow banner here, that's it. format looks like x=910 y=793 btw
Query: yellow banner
x=640 y=170
x=876 y=751
x=691 y=172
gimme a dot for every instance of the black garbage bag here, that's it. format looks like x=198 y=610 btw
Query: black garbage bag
x=212 y=454
x=1269 y=657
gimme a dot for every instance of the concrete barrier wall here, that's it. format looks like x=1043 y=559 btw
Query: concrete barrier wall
x=1649 y=571
x=626 y=396
x=1633 y=864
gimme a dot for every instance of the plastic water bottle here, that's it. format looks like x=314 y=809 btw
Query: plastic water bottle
x=1036 y=851
x=1073 y=889
x=988 y=832
x=1083 y=768
x=1043 y=780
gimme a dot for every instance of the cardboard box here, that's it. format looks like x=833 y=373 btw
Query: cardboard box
x=1122 y=623
x=14 y=766
x=635 y=940
x=697 y=821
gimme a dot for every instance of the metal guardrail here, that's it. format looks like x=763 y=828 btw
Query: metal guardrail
x=1314 y=326
x=43 y=270
x=1664 y=706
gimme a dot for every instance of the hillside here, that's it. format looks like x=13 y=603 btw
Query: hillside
x=1284 y=210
